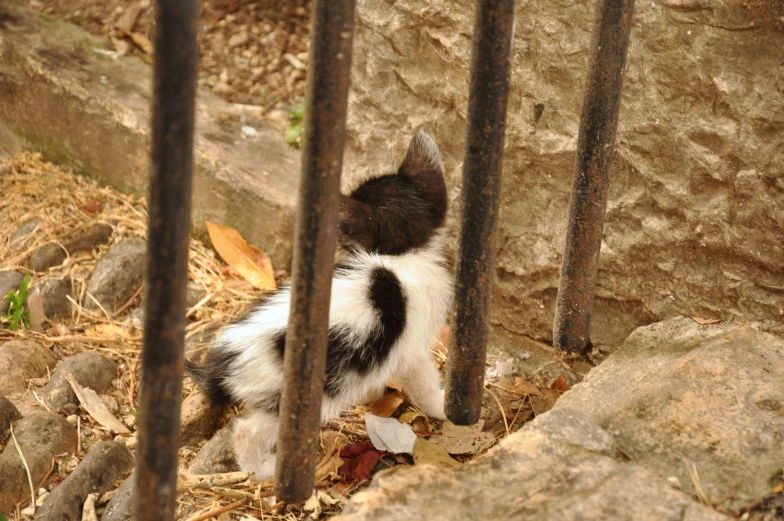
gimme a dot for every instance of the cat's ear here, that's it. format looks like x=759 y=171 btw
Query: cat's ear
x=423 y=158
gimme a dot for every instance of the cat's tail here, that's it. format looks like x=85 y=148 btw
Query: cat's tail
x=209 y=381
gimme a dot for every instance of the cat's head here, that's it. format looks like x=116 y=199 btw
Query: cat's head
x=398 y=212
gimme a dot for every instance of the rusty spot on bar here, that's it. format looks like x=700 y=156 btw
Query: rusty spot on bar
x=174 y=79
x=314 y=248
x=598 y=122
x=487 y=101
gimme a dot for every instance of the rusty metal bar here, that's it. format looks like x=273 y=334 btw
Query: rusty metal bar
x=601 y=103
x=314 y=248
x=174 y=78
x=487 y=100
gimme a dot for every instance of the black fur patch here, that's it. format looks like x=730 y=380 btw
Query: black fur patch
x=388 y=298
x=395 y=213
x=211 y=375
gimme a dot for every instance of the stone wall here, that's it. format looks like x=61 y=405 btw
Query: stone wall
x=695 y=220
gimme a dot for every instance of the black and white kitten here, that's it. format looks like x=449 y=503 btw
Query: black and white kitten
x=391 y=292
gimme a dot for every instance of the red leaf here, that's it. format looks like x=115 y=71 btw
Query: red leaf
x=93 y=206
x=359 y=459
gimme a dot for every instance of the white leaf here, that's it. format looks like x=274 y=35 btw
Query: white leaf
x=390 y=435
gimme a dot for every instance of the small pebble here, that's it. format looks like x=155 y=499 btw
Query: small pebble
x=27 y=512
x=130 y=442
x=129 y=421
x=120 y=438
x=72 y=419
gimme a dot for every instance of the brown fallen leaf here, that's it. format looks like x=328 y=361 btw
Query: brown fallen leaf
x=559 y=384
x=252 y=263
x=93 y=206
x=458 y=439
x=142 y=42
x=128 y=19
x=778 y=489
x=95 y=407
x=387 y=404
x=706 y=321
x=426 y=453
x=409 y=417
x=525 y=387
x=505 y=384
x=327 y=468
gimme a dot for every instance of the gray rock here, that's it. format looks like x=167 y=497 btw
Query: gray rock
x=117 y=275
x=677 y=394
x=696 y=211
x=106 y=463
x=675 y=398
x=53 y=254
x=54 y=294
x=46 y=256
x=216 y=456
x=41 y=436
x=9 y=281
x=22 y=360
x=532 y=476
x=8 y=415
x=89 y=238
x=24 y=231
x=120 y=506
x=198 y=420
x=89 y=369
x=194 y=293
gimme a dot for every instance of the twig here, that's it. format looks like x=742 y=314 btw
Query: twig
x=227 y=508
x=49 y=473
x=108 y=316
x=503 y=414
x=129 y=303
x=27 y=469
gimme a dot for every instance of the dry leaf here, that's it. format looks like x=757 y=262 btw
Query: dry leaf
x=93 y=206
x=706 y=321
x=108 y=331
x=458 y=439
x=359 y=459
x=252 y=263
x=390 y=435
x=505 y=384
x=778 y=489
x=128 y=19
x=386 y=406
x=426 y=453
x=93 y=404
x=410 y=416
x=142 y=42
x=559 y=384
x=526 y=388
x=88 y=511
x=327 y=468
x=502 y=367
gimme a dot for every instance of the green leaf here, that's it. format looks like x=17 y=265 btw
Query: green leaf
x=3 y=518
x=16 y=310
x=293 y=133
x=298 y=113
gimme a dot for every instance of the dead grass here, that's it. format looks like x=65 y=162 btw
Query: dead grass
x=67 y=204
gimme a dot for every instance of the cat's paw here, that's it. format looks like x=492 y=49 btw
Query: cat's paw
x=435 y=409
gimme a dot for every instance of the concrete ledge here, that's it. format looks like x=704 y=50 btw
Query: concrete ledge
x=63 y=98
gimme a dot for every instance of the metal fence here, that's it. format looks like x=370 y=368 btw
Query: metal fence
x=315 y=235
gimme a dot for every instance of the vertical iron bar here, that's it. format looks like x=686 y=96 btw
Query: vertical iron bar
x=598 y=121
x=487 y=100
x=174 y=78
x=314 y=248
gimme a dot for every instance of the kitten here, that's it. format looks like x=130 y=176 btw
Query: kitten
x=391 y=292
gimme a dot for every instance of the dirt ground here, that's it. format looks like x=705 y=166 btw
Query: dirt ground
x=250 y=52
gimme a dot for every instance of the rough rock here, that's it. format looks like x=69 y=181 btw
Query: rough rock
x=54 y=294
x=53 y=254
x=707 y=396
x=46 y=256
x=216 y=456
x=89 y=369
x=194 y=293
x=117 y=275
x=105 y=464
x=22 y=360
x=529 y=475
x=89 y=238
x=9 y=281
x=8 y=415
x=677 y=403
x=198 y=420
x=24 y=231
x=120 y=506
x=696 y=204
x=41 y=436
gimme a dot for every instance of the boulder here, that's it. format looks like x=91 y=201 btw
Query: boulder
x=23 y=360
x=117 y=275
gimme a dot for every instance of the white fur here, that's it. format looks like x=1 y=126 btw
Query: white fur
x=257 y=371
